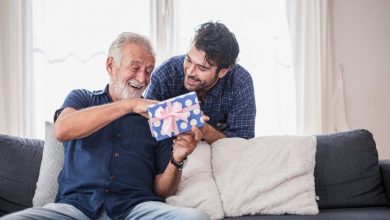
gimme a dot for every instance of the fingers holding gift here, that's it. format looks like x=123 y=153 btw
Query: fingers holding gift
x=140 y=106
x=205 y=118
x=185 y=143
x=197 y=133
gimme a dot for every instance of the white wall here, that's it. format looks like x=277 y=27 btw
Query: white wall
x=361 y=36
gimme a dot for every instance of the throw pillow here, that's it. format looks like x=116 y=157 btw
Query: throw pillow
x=20 y=159
x=197 y=188
x=51 y=166
x=347 y=172
x=265 y=175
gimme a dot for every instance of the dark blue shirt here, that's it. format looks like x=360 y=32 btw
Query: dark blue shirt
x=114 y=167
x=230 y=104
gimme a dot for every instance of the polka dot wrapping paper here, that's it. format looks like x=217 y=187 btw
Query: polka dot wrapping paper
x=175 y=116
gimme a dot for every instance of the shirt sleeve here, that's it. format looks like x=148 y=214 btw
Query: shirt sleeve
x=241 y=117
x=163 y=155
x=77 y=99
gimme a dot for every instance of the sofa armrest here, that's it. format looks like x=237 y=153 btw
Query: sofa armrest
x=384 y=166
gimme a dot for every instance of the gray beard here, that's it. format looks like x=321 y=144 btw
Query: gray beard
x=122 y=90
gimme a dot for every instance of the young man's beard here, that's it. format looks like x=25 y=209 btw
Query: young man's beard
x=122 y=89
x=203 y=86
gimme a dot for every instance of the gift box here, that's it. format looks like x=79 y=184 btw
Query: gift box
x=175 y=116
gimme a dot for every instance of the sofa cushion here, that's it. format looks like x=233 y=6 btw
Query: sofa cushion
x=51 y=166
x=347 y=172
x=19 y=168
x=268 y=175
x=197 y=187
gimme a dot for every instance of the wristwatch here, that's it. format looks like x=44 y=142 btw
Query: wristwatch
x=179 y=165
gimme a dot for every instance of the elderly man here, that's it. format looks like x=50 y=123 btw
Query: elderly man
x=114 y=168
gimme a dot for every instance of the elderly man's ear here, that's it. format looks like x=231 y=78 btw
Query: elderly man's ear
x=109 y=65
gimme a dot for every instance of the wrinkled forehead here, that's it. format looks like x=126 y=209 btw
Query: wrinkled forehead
x=133 y=53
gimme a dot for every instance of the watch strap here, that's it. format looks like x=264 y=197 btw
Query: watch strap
x=178 y=165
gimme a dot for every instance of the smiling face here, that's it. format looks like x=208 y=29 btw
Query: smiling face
x=130 y=78
x=199 y=74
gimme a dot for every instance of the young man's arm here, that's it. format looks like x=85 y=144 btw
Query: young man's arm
x=241 y=117
x=210 y=134
x=166 y=183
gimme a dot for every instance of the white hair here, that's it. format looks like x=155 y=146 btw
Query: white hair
x=128 y=37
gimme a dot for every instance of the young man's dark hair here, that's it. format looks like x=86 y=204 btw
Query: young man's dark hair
x=218 y=43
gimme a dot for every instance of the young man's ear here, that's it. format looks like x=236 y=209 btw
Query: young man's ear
x=109 y=65
x=222 y=73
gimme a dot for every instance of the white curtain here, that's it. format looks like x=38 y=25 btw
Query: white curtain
x=162 y=28
x=16 y=80
x=319 y=88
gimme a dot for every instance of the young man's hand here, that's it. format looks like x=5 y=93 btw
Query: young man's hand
x=211 y=134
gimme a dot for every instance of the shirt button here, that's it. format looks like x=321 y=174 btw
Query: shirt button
x=107 y=190
x=118 y=135
x=116 y=155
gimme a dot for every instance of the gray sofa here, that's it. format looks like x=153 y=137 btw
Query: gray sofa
x=349 y=181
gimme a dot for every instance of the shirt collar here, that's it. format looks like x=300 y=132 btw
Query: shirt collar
x=104 y=92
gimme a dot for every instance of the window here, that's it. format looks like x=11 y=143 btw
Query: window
x=71 y=39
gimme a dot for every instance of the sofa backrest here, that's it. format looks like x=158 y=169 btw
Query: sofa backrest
x=20 y=160
x=347 y=172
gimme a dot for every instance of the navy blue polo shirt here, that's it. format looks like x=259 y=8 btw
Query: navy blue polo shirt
x=114 y=167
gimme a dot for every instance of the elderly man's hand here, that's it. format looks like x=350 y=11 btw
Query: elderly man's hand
x=185 y=143
x=140 y=106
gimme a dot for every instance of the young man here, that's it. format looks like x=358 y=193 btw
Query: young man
x=113 y=167
x=224 y=88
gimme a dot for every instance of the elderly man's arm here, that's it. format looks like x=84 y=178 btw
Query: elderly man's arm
x=73 y=124
x=166 y=183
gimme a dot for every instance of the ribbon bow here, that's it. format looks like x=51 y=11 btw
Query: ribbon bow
x=170 y=115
